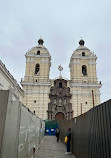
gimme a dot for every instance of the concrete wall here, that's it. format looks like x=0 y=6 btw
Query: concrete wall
x=21 y=131
x=3 y=108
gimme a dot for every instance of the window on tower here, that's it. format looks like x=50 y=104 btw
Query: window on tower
x=84 y=70
x=38 y=52
x=83 y=54
x=37 y=68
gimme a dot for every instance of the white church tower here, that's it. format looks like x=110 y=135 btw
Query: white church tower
x=36 y=83
x=85 y=88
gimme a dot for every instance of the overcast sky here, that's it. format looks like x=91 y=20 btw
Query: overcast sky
x=61 y=23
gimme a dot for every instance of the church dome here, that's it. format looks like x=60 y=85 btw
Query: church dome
x=40 y=49
x=81 y=46
x=81 y=50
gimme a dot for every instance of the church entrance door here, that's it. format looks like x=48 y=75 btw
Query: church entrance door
x=59 y=116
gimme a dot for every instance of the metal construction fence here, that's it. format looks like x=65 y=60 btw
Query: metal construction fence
x=20 y=130
x=91 y=132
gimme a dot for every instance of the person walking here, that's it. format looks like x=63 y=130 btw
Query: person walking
x=68 y=141
x=57 y=132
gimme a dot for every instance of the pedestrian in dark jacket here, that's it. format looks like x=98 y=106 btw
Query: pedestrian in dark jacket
x=57 y=132
x=68 y=141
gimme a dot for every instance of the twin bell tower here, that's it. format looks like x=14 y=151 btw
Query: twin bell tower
x=60 y=98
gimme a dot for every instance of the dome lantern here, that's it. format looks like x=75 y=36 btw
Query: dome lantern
x=81 y=42
x=40 y=41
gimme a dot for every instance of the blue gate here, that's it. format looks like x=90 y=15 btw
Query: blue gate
x=50 y=127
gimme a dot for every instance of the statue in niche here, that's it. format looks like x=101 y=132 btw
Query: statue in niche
x=60 y=102
x=64 y=101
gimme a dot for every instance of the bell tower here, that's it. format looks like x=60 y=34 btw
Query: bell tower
x=37 y=63
x=83 y=80
x=36 y=82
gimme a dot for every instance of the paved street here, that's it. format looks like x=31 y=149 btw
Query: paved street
x=49 y=148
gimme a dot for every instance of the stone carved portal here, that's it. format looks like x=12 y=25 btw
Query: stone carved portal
x=60 y=107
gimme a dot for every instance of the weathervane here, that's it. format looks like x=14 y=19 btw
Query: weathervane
x=60 y=68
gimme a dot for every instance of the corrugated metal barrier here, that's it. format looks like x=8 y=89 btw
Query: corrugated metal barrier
x=91 y=132
x=20 y=130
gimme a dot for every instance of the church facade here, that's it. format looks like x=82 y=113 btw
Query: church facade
x=60 y=98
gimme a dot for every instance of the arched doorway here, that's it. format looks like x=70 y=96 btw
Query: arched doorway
x=59 y=116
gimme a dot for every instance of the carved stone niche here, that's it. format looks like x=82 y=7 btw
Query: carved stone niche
x=60 y=107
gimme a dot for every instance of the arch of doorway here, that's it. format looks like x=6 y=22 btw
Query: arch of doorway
x=60 y=116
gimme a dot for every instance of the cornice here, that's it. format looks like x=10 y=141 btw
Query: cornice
x=85 y=94
x=81 y=57
x=36 y=92
x=84 y=85
x=35 y=84
x=38 y=56
x=74 y=62
x=41 y=61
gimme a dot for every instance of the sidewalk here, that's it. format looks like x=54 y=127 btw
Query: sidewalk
x=49 y=148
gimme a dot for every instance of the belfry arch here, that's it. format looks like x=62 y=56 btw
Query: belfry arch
x=60 y=107
x=37 y=68
x=84 y=70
